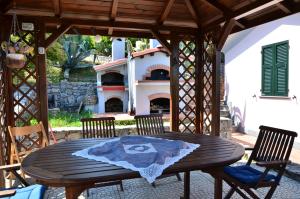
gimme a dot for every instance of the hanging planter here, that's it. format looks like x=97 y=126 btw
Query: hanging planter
x=15 y=52
x=16 y=55
x=15 y=61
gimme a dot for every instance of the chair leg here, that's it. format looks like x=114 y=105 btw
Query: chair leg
x=235 y=188
x=241 y=193
x=271 y=192
x=230 y=193
x=88 y=193
x=121 y=186
x=178 y=177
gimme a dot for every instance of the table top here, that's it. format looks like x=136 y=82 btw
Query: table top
x=56 y=166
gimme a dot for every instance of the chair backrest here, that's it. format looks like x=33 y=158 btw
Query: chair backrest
x=26 y=139
x=103 y=127
x=149 y=124
x=272 y=144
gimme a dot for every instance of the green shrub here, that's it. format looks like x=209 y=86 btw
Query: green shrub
x=68 y=119
x=54 y=74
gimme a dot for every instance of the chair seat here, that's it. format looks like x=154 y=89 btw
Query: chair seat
x=30 y=192
x=247 y=174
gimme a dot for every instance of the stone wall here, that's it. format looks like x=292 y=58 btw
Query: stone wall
x=69 y=95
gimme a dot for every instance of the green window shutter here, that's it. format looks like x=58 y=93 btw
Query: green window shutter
x=267 y=70
x=281 y=69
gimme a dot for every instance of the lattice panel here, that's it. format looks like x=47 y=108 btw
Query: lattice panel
x=187 y=96
x=208 y=57
x=4 y=152
x=25 y=99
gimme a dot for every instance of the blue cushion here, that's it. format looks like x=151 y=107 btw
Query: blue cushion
x=247 y=174
x=30 y=192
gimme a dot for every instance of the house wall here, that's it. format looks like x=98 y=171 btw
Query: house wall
x=144 y=91
x=103 y=96
x=140 y=92
x=243 y=78
x=142 y=64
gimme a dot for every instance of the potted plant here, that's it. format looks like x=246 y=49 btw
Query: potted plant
x=16 y=54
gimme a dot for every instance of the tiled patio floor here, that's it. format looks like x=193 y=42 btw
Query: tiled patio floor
x=201 y=188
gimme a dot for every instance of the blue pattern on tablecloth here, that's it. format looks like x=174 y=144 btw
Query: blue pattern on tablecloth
x=147 y=155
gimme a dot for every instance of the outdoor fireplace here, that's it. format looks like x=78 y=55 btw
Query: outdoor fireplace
x=113 y=105
x=112 y=79
x=159 y=74
x=160 y=105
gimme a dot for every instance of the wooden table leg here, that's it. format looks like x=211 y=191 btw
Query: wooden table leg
x=218 y=186
x=186 y=185
x=72 y=192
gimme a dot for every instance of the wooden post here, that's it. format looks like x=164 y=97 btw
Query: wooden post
x=174 y=84
x=6 y=113
x=42 y=78
x=216 y=94
x=199 y=83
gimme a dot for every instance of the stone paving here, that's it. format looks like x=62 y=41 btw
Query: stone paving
x=202 y=187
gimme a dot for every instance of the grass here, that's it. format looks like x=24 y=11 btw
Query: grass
x=67 y=119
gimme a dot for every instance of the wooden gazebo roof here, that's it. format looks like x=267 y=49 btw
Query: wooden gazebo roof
x=194 y=28
x=148 y=18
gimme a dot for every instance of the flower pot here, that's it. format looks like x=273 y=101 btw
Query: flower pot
x=15 y=60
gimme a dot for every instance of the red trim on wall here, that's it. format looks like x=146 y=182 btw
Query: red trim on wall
x=112 y=88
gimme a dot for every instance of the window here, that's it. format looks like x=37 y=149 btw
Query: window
x=275 y=66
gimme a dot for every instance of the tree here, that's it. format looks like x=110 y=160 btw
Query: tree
x=102 y=48
x=76 y=49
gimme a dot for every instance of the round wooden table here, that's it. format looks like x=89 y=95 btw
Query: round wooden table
x=56 y=166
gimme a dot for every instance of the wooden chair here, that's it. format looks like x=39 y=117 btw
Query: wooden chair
x=25 y=140
x=271 y=151
x=151 y=125
x=103 y=127
x=29 y=191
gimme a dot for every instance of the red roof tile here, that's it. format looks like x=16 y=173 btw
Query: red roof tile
x=148 y=51
x=110 y=64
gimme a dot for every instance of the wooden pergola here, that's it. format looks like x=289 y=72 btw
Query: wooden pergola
x=193 y=32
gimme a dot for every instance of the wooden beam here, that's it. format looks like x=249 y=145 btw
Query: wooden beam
x=113 y=15
x=42 y=86
x=242 y=12
x=192 y=9
x=284 y=8
x=225 y=32
x=174 y=84
x=57 y=7
x=254 y=7
x=114 y=9
x=129 y=25
x=165 y=11
x=215 y=121
x=6 y=5
x=162 y=41
x=266 y=18
x=55 y=35
x=110 y=31
x=226 y=11
x=239 y=24
x=116 y=33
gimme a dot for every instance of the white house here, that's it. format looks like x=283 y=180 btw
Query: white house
x=137 y=84
x=262 y=75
